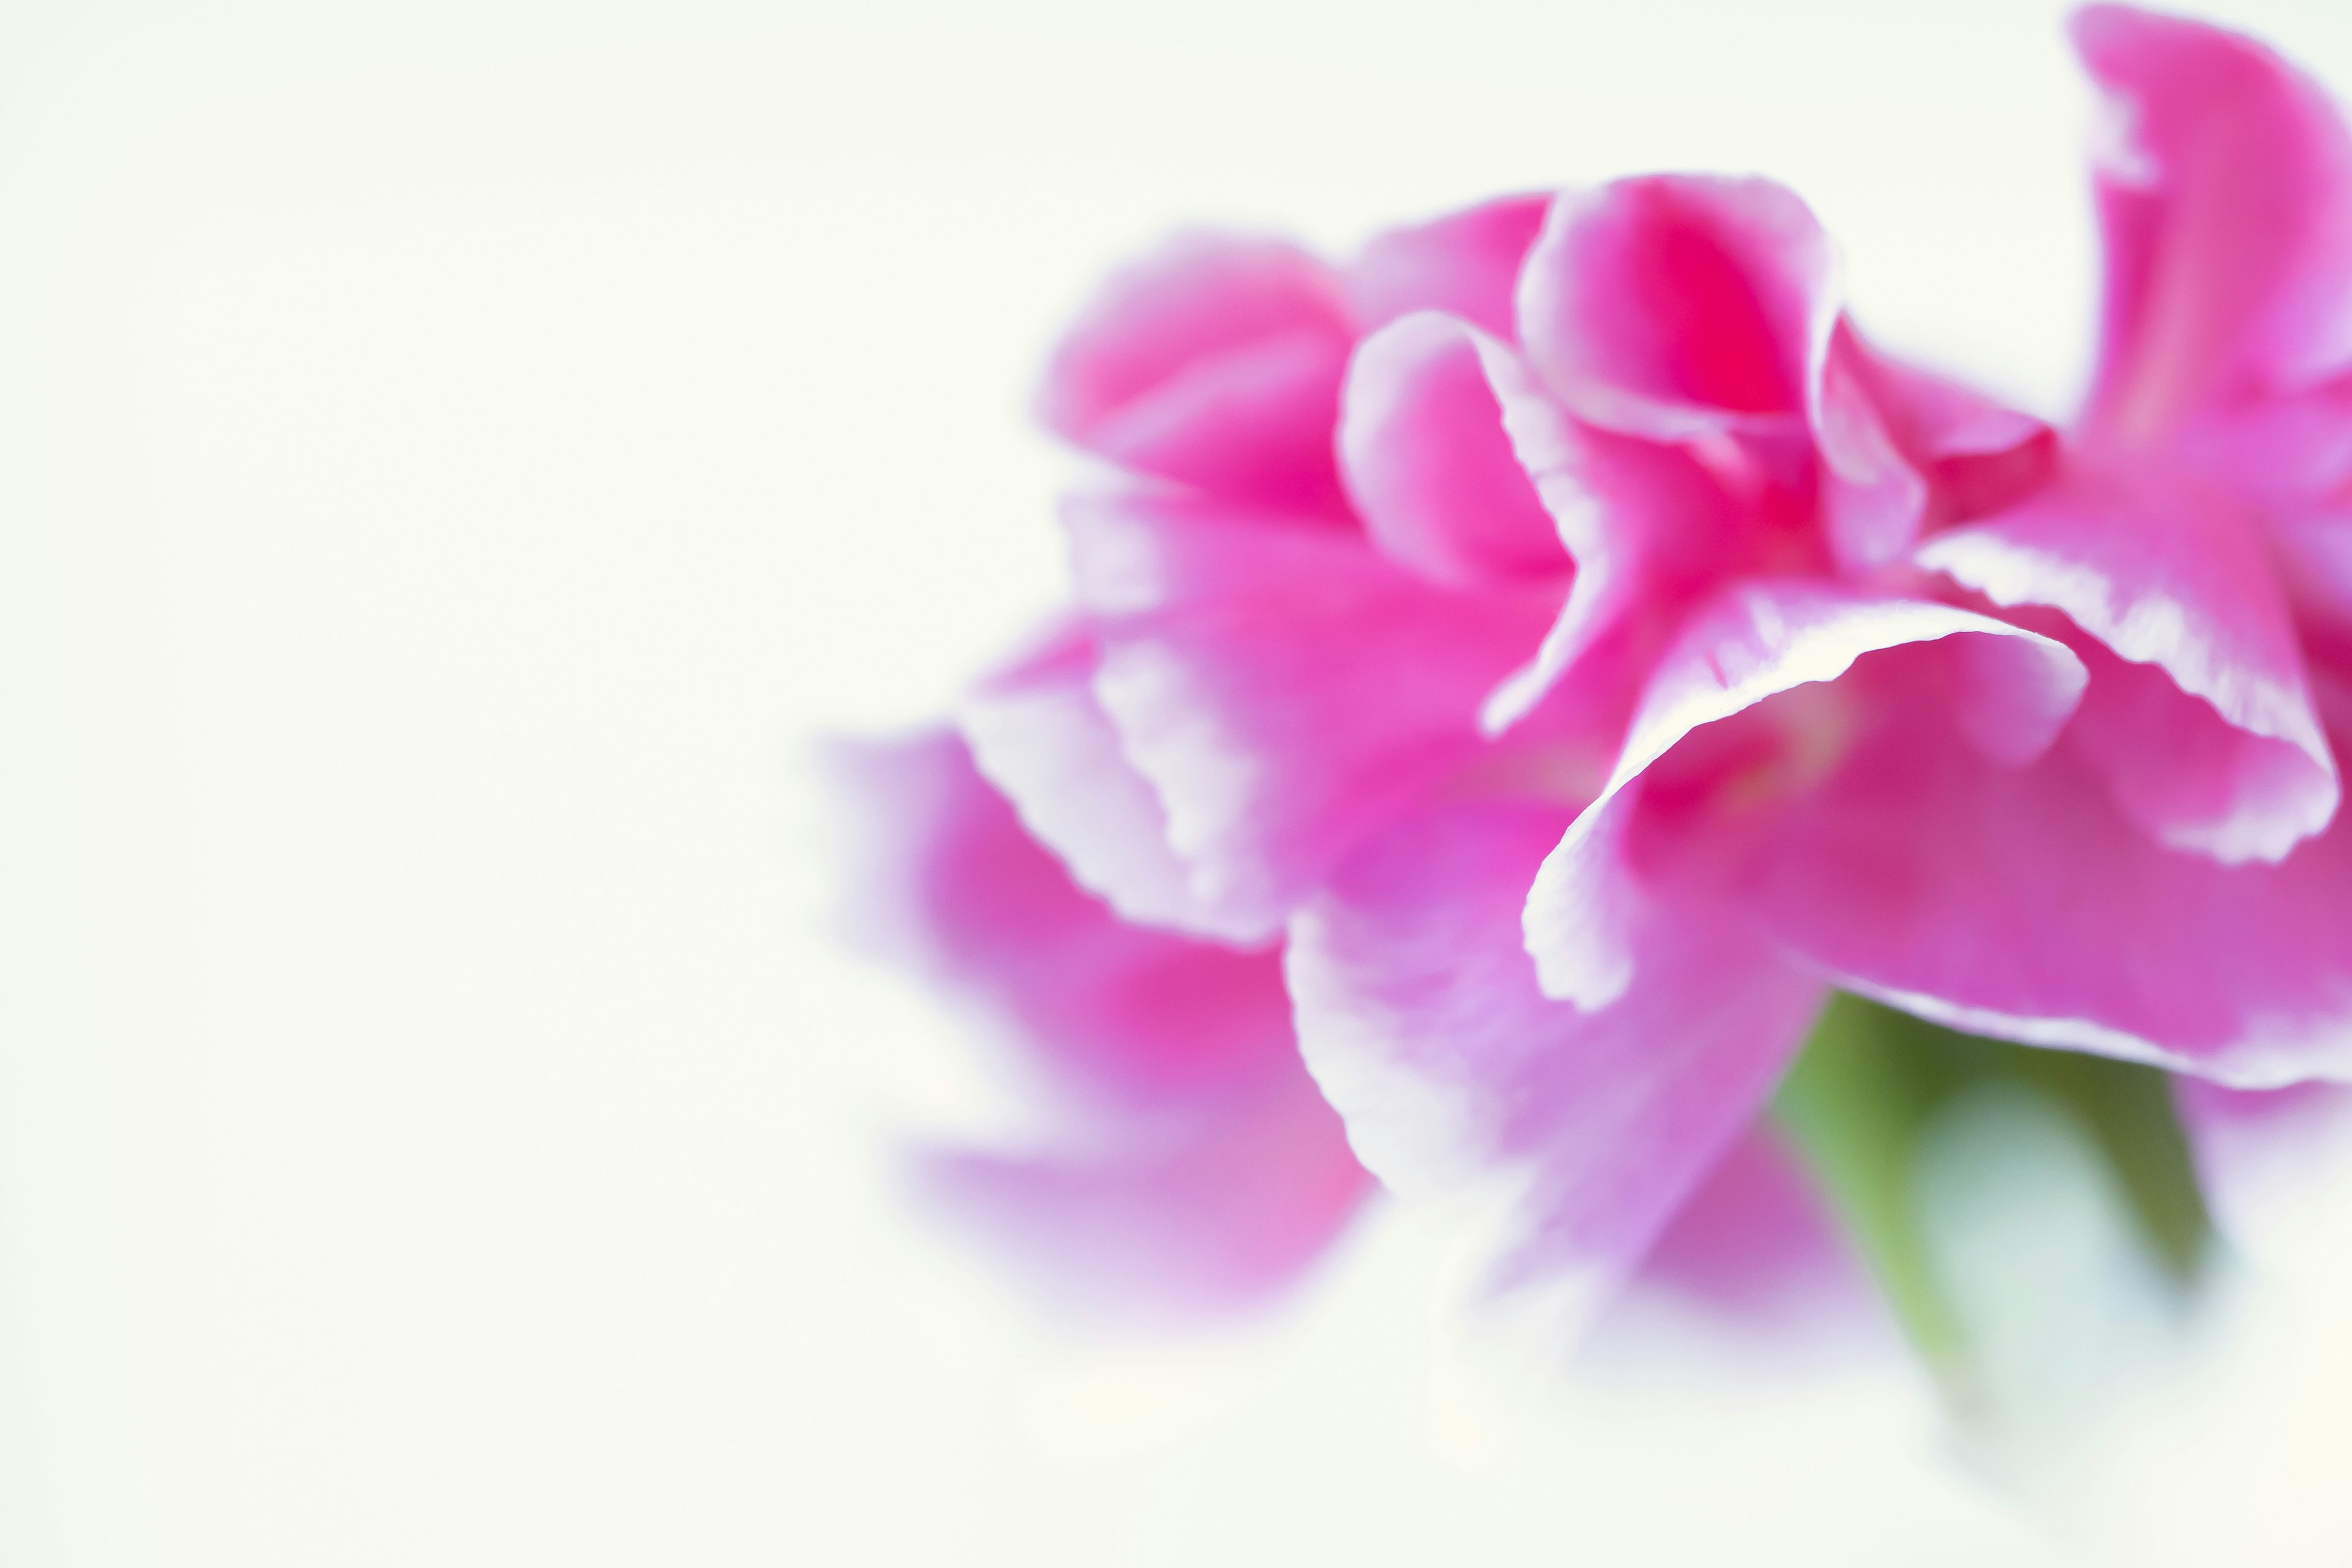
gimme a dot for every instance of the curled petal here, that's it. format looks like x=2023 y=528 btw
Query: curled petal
x=2012 y=691
x=1039 y=735
x=1284 y=689
x=2020 y=903
x=1217 y=363
x=1676 y=307
x=1424 y=453
x=2225 y=195
x=1183 y=1161
x=1465 y=264
x=2221 y=752
x=1579 y=1133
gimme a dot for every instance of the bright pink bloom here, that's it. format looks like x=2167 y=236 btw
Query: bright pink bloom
x=1587 y=563
x=1184 y=1163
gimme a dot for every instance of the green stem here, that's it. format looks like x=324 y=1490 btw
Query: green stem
x=1871 y=1080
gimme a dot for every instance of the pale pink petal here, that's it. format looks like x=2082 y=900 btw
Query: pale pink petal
x=1676 y=307
x=1041 y=737
x=2010 y=691
x=1755 y=1242
x=1465 y=264
x=2226 y=198
x=1167 y=1226
x=1182 y=1159
x=1216 y=362
x=1426 y=459
x=2272 y=1163
x=2222 y=751
x=1579 y=1133
x=2021 y=902
x=1284 y=689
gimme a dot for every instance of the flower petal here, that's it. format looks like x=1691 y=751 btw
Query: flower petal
x=1465 y=264
x=2169 y=576
x=1284 y=689
x=1039 y=735
x=2226 y=202
x=1674 y=307
x=1424 y=454
x=1216 y=362
x=1584 y=1132
x=2012 y=691
x=1184 y=1160
x=2021 y=902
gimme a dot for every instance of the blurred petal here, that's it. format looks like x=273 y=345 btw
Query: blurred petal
x=1465 y=264
x=2169 y=576
x=1419 y=1015
x=1424 y=454
x=2274 y=1165
x=1674 y=307
x=1186 y=1161
x=2226 y=202
x=1284 y=689
x=1216 y=362
x=2011 y=689
x=1754 y=1241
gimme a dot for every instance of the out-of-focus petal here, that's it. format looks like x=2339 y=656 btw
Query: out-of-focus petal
x=2273 y=1165
x=1465 y=264
x=2226 y=756
x=1284 y=689
x=1755 y=1242
x=2011 y=691
x=1166 y=1225
x=1424 y=454
x=2225 y=194
x=1677 y=307
x=2021 y=902
x=1214 y=363
x=1174 y=1109
x=1581 y=1133
x=1041 y=737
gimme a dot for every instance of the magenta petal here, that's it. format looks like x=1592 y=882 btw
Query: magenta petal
x=1419 y=1015
x=2172 y=577
x=1039 y=735
x=2013 y=691
x=1183 y=1152
x=2226 y=200
x=2020 y=903
x=1465 y=264
x=1284 y=689
x=1426 y=459
x=1216 y=362
x=1673 y=307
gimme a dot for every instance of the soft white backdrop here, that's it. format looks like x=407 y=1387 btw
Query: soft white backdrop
x=452 y=456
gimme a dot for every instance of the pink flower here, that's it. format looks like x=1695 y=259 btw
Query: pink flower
x=1622 y=491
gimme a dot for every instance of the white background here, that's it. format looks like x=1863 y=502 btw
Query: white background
x=452 y=456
